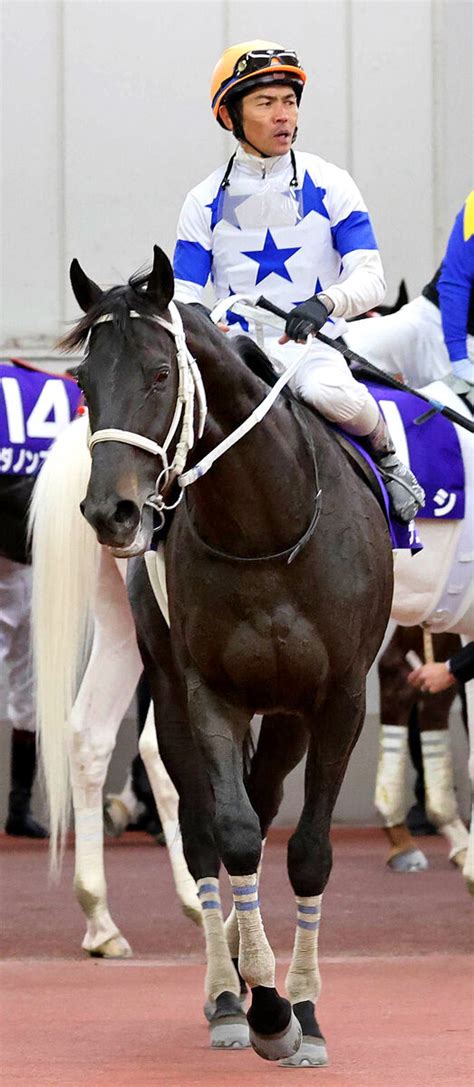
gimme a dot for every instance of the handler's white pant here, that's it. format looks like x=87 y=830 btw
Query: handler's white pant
x=325 y=382
x=409 y=342
x=15 y=648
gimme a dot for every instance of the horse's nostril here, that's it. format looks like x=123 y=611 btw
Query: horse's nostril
x=126 y=511
x=82 y=507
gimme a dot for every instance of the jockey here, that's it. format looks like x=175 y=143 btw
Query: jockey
x=293 y=226
x=432 y=337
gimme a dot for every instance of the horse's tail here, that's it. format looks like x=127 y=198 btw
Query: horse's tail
x=65 y=563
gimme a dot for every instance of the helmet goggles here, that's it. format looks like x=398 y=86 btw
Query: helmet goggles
x=255 y=60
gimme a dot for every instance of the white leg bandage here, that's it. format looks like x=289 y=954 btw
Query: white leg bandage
x=438 y=771
x=256 y=958
x=390 y=788
x=441 y=803
x=231 y=924
x=221 y=976
x=303 y=980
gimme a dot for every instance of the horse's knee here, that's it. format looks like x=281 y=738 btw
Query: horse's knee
x=90 y=757
x=309 y=863
x=239 y=841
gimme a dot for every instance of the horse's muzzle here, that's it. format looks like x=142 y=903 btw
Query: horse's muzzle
x=116 y=521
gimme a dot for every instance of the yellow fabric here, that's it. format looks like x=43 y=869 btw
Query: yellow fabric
x=468 y=220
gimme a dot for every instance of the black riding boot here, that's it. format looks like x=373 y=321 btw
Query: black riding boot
x=20 y=822
x=405 y=494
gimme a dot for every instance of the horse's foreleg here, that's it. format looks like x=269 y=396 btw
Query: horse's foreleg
x=183 y=762
x=167 y=801
x=106 y=690
x=220 y=729
x=310 y=859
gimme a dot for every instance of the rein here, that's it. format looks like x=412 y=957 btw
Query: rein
x=191 y=386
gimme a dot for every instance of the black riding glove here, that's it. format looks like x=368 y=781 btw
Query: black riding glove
x=308 y=317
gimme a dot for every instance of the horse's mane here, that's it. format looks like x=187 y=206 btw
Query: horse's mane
x=118 y=301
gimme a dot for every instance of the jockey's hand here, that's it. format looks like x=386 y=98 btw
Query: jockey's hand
x=463 y=369
x=222 y=326
x=305 y=320
x=432 y=678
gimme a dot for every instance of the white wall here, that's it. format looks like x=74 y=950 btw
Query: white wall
x=106 y=124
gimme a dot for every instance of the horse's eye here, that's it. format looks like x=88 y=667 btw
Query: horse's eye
x=161 y=375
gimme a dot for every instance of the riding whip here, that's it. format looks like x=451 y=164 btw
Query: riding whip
x=352 y=356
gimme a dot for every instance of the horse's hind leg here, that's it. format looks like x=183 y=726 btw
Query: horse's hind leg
x=468 y=870
x=106 y=690
x=397 y=701
x=440 y=799
x=167 y=801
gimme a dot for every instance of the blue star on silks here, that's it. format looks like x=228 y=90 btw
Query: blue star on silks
x=271 y=259
x=310 y=198
x=224 y=207
x=235 y=318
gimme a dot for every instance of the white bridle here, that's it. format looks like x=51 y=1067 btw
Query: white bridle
x=190 y=387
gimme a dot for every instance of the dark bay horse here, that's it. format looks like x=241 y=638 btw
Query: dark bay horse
x=279 y=575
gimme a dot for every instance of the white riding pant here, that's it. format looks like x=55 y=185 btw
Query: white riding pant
x=409 y=342
x=325 y=382
x=15 y=645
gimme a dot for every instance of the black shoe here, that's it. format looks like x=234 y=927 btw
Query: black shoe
x=24 y=825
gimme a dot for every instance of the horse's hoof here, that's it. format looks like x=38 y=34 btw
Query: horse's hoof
x=411 y=861
x=276 y=1047
x=116 y=816
x=227 y=1022
x=193 y=911
x=210 y=1006
x=115 y=948
x=311 y=1054
x=459 y=859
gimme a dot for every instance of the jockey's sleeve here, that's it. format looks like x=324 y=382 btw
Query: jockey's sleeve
x=193 y=251
x=361 y=283
x=456 y=282
x=461 y=664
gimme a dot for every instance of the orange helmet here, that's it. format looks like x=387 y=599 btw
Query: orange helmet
x=249 y=64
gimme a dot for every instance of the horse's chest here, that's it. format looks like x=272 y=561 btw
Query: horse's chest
x=273 y=657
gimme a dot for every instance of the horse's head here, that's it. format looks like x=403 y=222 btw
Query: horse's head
x=130 y=381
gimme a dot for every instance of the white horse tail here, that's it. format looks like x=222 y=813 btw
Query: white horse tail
x=65 y=563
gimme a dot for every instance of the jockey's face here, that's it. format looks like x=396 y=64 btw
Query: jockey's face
x=269 y=119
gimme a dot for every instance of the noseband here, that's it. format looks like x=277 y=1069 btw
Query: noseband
x=190 y=387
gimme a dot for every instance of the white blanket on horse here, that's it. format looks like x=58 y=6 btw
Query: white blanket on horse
x=436 y=587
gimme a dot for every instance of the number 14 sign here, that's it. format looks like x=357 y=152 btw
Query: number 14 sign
x=34 y=408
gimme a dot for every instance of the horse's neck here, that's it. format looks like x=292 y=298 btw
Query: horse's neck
x=259 y=495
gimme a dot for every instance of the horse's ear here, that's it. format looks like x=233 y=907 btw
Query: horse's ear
x=402 y=296
x=86 y=292
x=161 y=280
